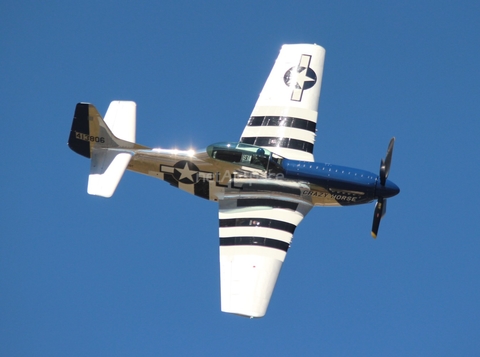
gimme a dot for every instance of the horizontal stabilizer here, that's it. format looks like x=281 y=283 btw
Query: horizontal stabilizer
x=121 y=119
x=106 y=170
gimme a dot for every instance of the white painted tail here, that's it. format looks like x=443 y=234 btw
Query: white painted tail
x=106 y=170
x=107 y=166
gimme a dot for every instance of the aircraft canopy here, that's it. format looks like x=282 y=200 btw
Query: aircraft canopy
x=240 y=153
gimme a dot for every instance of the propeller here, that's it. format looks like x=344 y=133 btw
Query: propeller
x=385 y=164
x=384 y=189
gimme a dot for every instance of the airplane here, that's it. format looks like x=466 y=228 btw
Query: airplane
x=265 y=184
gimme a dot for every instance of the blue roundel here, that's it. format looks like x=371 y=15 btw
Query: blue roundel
x=303 y=82
x=185 y=172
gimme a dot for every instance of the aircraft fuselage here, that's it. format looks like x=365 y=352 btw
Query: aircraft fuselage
x=249 y=171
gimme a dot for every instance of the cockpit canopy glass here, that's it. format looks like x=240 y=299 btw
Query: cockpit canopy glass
x=240 y=153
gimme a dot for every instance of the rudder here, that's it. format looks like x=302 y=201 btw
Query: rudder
x=79 y=139
x=89 y=132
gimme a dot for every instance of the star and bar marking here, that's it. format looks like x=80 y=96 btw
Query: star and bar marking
x=300 y=78
x=186 y=172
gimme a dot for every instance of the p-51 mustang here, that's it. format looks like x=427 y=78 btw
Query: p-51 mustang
x=265 y=184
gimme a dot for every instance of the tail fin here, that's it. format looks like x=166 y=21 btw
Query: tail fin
x=89 y=131
x=91 y=137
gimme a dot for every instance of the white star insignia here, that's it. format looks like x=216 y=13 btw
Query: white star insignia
x=186 y=173
x=302 y=77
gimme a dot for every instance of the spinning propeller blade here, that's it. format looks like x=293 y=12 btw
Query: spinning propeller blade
x=380 y=210
x=384 y=190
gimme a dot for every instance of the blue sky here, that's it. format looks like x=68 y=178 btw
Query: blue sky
x=138 y=274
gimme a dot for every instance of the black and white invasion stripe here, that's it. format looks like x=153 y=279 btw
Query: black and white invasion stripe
x=270 y=223
x=287 y=133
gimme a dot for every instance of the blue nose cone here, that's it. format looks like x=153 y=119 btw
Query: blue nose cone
x=389 y=190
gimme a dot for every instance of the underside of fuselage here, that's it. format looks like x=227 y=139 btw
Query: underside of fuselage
x=212 y=177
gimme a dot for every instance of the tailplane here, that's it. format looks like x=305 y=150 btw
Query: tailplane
x=110 y=144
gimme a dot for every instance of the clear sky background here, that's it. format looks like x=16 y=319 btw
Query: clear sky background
x=138 y=274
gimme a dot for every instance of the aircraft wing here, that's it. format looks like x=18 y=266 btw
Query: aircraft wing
x=255 y=234
x=284 y=118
